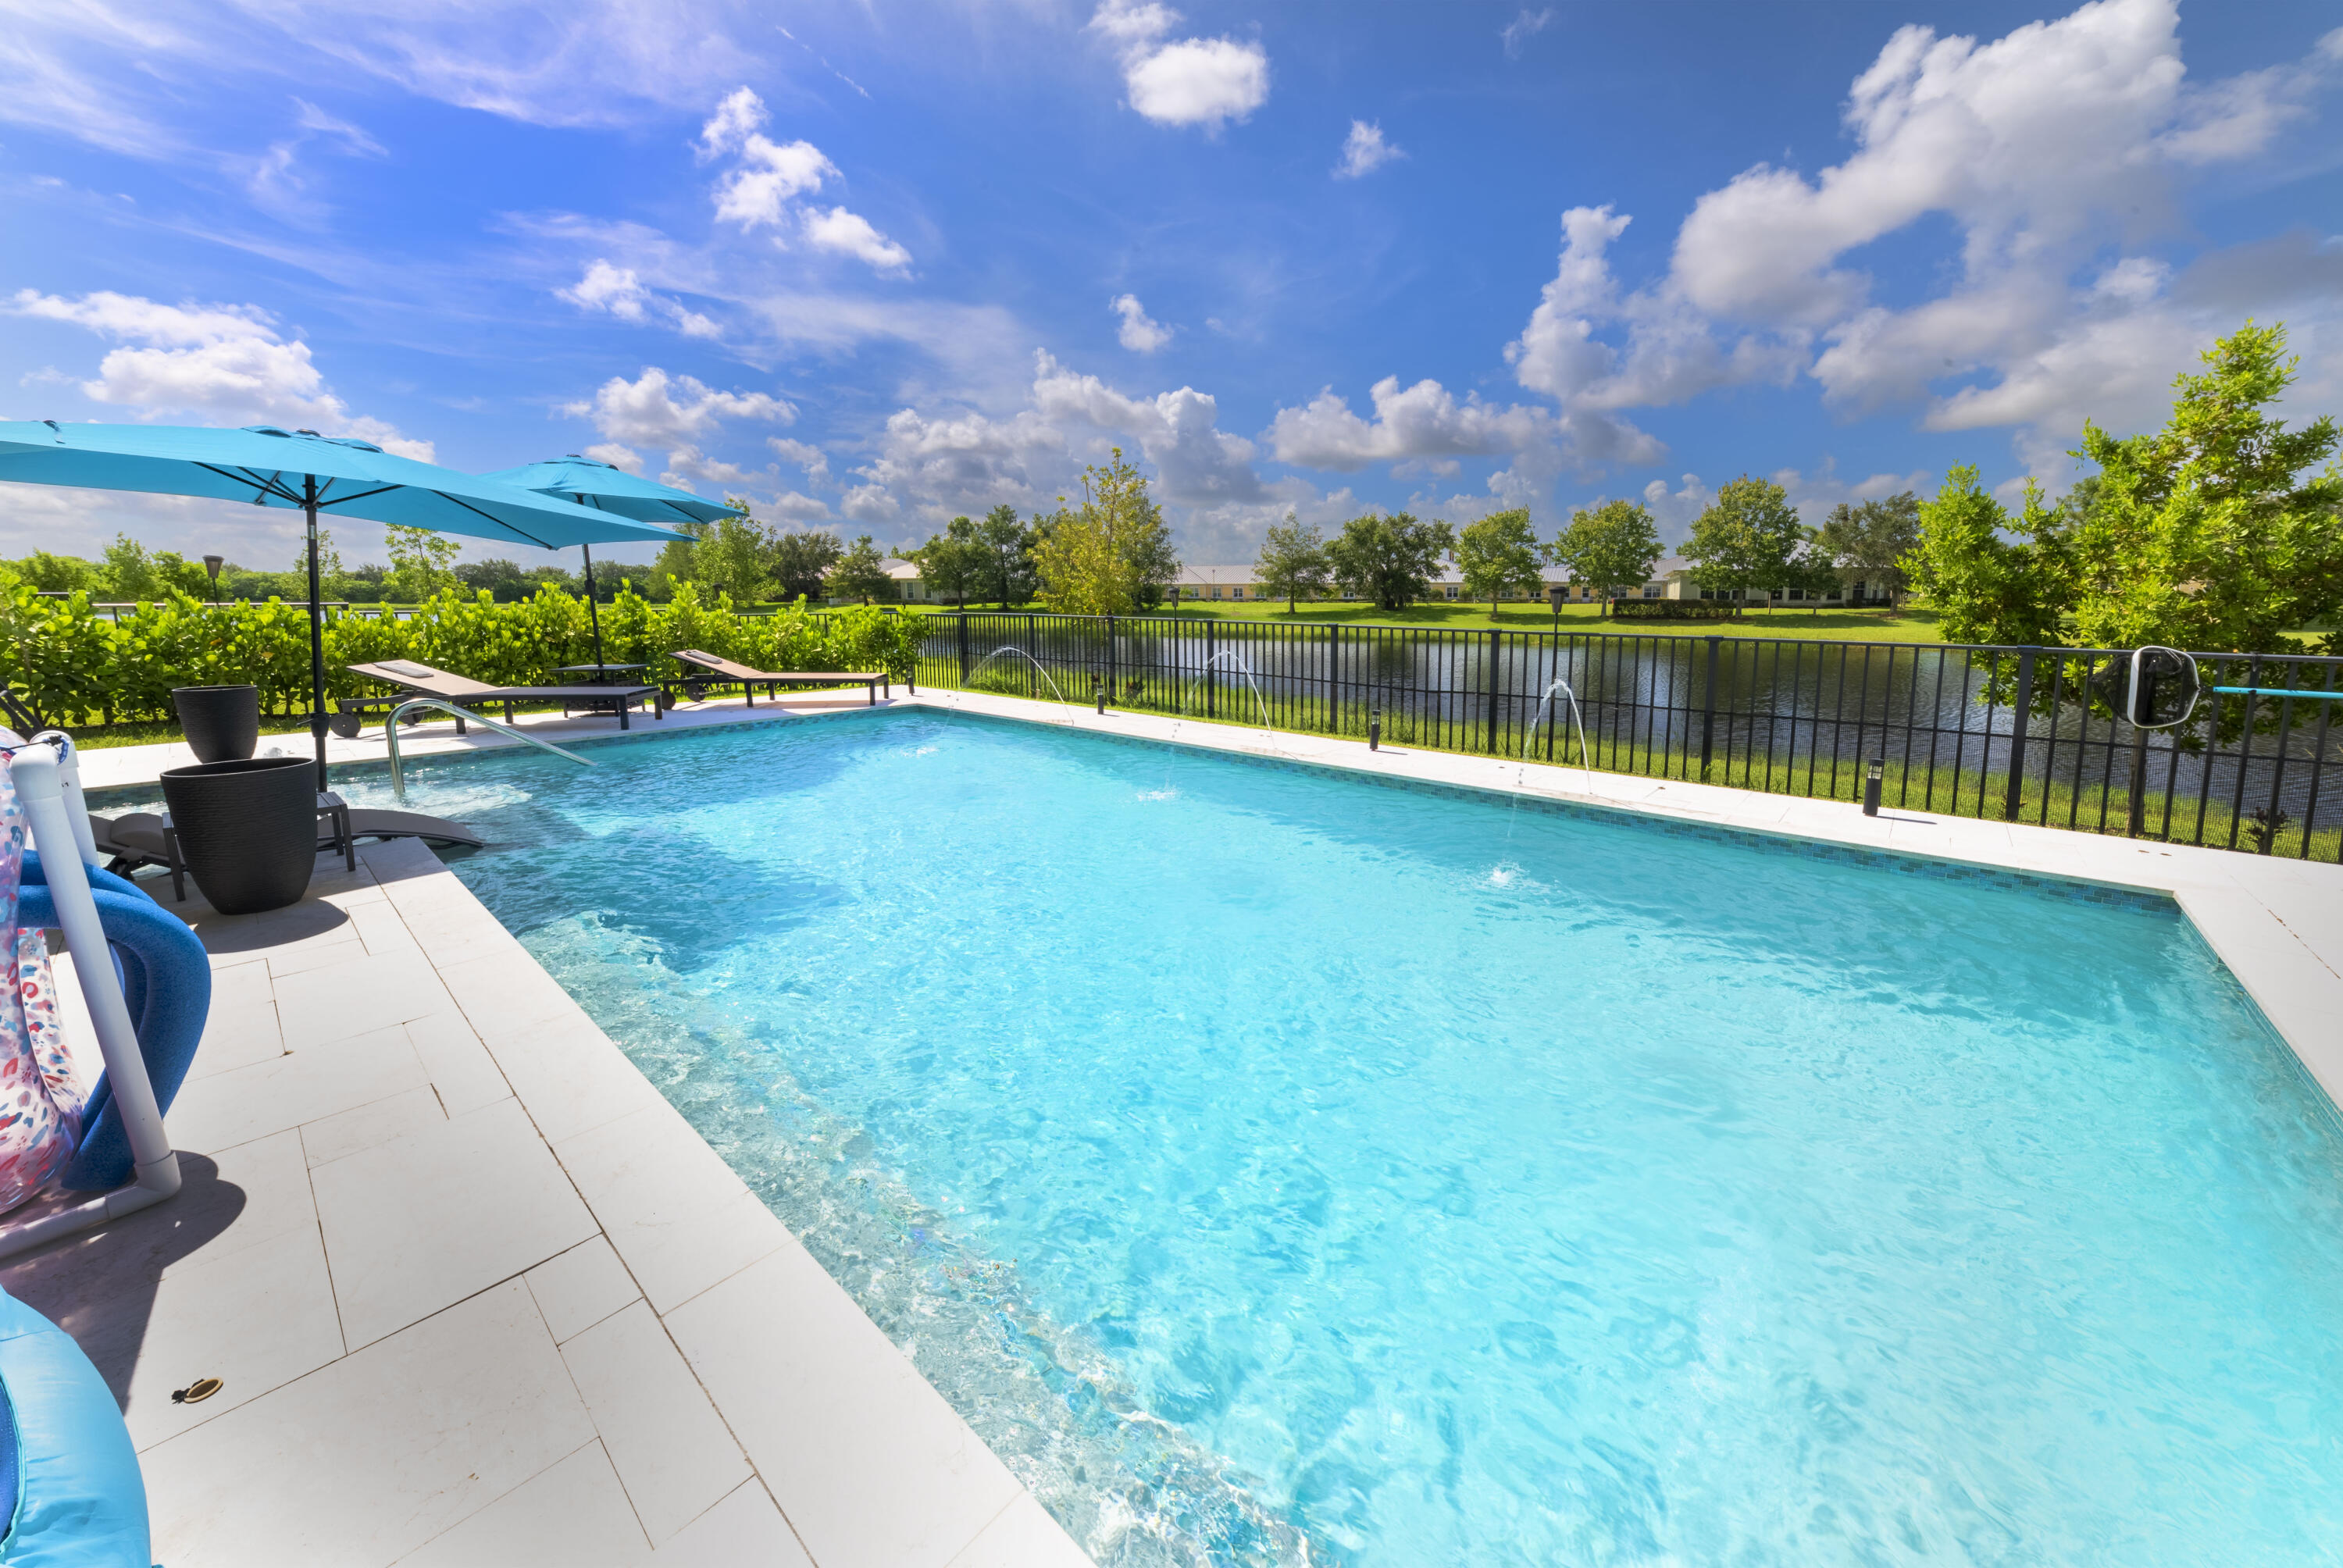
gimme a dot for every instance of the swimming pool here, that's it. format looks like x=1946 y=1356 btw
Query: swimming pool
x=1275 y=1166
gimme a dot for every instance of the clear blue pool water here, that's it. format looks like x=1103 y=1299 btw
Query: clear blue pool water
x=1281 y=1168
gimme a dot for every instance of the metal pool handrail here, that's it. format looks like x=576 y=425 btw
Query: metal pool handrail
x=390 y=732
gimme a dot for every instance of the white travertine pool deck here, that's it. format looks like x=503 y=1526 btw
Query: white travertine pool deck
x=479 y=1295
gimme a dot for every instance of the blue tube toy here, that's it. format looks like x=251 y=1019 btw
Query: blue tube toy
x=167 y=980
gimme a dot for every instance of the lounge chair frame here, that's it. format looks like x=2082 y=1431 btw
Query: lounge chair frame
x=704 y=669
x=465 y=692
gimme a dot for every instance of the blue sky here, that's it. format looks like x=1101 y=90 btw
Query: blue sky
x=873 y=265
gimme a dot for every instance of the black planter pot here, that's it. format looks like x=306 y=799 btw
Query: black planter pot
x=222 y=723
x=248 y=830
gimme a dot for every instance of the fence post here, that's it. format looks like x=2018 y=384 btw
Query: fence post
x=1212 y=675
x=1112 y=672
x=1335 y=680
x=1708 y=709
x=963 y=650
x=2019 y=711
x=1495 y=659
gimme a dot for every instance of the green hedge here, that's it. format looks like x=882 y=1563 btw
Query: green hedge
x=78 y=668
x=1673 y=609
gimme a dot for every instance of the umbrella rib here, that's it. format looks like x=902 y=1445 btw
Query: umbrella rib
x=271 y=486
x=362 y=495
x=500 y=522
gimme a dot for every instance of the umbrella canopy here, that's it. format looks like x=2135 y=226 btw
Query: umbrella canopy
x=599 y=485
x=301 y=468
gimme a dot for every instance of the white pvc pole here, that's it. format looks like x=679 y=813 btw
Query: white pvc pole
x=36 y=769
x=70 y=786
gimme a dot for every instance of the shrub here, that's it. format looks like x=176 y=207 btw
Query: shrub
x=77 y=668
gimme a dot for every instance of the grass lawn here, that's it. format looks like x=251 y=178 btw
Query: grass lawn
x=1908 y=625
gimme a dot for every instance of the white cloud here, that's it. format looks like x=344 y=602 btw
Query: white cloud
x=1202 y=82
x=226 y=364
x=622 y=457
x=740 y=116
x=1522 y=29
x=762 y=190
x=2048 y=149
x=1139 y=332
x=807 y=456
x=615 y=289
x=121 y=77
x=1422 y=423
x=1364 y=151
x=849 y=234
x=968 y=463
x=1672 y=351
x=1196 y=461
x=675 y=412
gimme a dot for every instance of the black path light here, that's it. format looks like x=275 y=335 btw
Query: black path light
x=1873 y=772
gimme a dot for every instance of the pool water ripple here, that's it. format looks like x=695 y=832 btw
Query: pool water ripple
x=1277 y=1167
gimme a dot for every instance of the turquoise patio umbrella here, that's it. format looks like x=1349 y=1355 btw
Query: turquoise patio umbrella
x=597 y=485
x=302 y=471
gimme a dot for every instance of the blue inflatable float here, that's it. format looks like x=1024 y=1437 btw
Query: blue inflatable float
x=71 y=1495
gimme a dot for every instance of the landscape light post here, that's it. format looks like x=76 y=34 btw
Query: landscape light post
x=212 y=564
x=1375 y=727
x=1554 y=597
x=1871 y=778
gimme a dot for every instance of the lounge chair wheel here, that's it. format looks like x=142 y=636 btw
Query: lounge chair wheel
x=344 y=725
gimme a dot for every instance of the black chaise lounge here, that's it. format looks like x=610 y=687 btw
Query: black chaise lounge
x=705 y=669
x=422 y=680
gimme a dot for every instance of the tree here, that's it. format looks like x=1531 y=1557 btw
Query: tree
x=953 y=561
x=1294 y=562
x=1987 y=588
x=1111 y=555
x=1154 y=563
x=1616 y=545
x=2206 y=534
x=732 y=556
x=56 y=574
x=1498 y=555
x=421 y=562
x=129 y=574
x=1747 y=538
x=1008 y=559
x=861 y=573
x=1389 y=559
x=798 y=560
x=1873 y=538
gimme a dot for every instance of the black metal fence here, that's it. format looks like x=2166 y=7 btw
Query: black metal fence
x=2009 y=733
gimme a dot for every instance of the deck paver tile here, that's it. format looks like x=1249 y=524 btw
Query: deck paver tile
x=581 y=1287
x=669 y=1446
x=573 y=1515
x=418 y=1224
x=333 y=1138
x=305 y=1085
x=838 y=1422
x=364 y=1461
x=679 y=1216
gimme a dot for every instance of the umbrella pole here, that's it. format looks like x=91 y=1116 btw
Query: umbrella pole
x=317 y=636
x=592 y=609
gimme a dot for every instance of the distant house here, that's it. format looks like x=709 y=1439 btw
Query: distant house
x=908 y=585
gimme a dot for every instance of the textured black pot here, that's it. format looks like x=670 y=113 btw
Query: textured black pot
x=222 y=723
x=247 y=829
